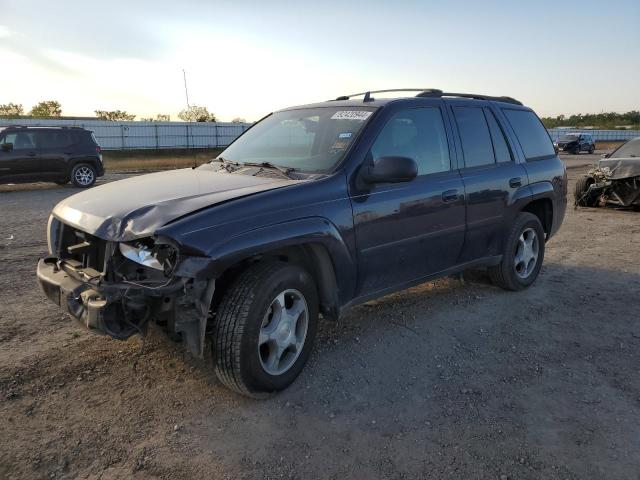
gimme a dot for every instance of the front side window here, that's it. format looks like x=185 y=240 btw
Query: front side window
x=531 y=134
x=417 y=133
x=309 y=139
x=20 y=140
x=477 y=147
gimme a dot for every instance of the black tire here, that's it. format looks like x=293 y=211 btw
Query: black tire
x=239 y=319
x=83 y=175
x=576 y=151
x=592 y=149
x=580 y=192
x=504 y=274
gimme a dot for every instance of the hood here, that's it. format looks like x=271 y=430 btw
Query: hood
x=621 y=167
x=136 y=207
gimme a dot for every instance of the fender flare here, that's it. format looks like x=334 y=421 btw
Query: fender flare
x=337 y=280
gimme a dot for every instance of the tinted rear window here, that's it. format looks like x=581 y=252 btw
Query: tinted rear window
x=474 y=134
x=533 y=137
x=500 y=146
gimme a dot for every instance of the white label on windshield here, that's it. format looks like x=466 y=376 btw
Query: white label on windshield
x=360 y=115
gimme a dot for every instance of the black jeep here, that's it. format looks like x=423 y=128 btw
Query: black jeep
x=575 y=143
x=49 y=154
x=311 y=211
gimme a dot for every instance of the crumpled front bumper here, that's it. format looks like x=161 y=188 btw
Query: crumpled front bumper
x=121 y=310
x=73 y=295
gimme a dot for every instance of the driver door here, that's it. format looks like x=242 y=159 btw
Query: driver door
x=408 y=231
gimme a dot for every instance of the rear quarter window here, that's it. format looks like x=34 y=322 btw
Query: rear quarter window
x=532 y=136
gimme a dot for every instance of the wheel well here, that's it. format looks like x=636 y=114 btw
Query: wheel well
x=87 y=161
x=543 y=209
x=313 y=257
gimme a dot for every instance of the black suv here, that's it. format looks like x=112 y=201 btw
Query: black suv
x=576 y=143
x=50 y=154
x=311 y=211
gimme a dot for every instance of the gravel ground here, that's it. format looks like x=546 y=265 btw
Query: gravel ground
x=452 y=379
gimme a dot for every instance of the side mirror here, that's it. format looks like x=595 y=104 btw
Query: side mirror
x=7 y=147
x=391 y=170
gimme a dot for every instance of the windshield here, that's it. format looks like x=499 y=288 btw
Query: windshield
x=568 y=138
x=628 y=150
x=309 y=139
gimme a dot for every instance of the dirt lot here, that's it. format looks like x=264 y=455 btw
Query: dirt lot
x=447 y=380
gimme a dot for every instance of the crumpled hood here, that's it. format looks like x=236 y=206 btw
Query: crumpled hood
x=621 y=167
x=136 y=207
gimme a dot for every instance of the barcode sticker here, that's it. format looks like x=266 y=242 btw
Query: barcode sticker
x=359 y=115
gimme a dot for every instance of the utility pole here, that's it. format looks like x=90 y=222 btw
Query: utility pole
x=186 y=92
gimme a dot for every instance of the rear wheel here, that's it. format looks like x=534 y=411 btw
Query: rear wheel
x=265 y=327
x=523 y=254
x=83 y=175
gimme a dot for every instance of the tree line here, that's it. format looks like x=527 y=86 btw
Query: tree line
x=53 y=109
x=604 y=121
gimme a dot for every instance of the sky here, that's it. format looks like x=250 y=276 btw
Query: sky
x=247 y=59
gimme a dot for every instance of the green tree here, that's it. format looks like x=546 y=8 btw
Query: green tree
x=48 y=108
x=11 y=110
x=606 y=120
x=196 y=114
x=114 y=115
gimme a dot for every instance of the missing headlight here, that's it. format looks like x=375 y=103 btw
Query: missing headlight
x=159 y=257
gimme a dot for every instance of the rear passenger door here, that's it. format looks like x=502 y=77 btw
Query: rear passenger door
x=55 y=148
x=491 y=177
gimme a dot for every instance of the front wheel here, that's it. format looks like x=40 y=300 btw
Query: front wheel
x=83 y=175
x=592 y=149
x=265 y=327
x=523 y=254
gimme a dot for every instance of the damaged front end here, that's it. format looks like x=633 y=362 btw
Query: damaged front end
x=117 y=288
x=615 y=186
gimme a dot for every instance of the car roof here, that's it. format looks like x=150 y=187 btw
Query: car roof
x=371 y=100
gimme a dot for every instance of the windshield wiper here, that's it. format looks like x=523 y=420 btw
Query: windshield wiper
x=284 y=170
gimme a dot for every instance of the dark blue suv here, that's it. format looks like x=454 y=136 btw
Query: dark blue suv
x=313 y=210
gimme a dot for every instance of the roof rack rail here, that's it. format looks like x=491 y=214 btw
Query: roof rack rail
x=475 y=96
x=46 y=126
x=431 y=92
x=368 y=98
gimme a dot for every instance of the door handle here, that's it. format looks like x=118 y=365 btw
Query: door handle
x=515 y=182
x=449 y=195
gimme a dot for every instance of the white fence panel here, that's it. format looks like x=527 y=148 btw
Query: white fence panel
x=165 y=135
x=148 y=135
